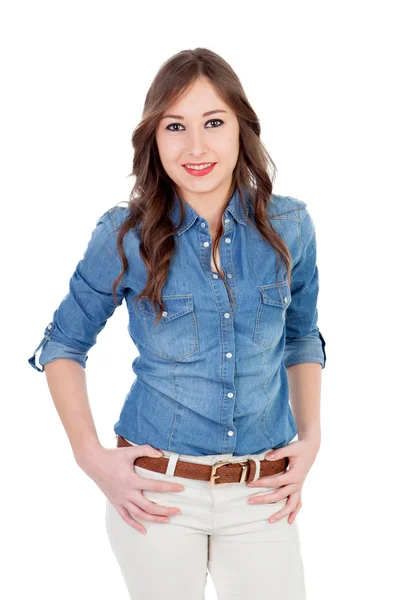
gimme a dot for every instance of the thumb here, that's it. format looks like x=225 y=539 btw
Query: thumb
x=147 y=450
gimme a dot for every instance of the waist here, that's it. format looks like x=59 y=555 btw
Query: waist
x=210 y=459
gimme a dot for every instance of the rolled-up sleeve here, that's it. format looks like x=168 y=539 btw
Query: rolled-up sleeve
x=304 y=341
x=85 y=309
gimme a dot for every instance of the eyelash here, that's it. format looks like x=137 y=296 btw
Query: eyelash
x=210 y=121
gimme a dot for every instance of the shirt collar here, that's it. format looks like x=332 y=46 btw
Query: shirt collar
x=234 y=208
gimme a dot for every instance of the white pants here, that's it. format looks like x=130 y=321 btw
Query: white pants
x=217 y=531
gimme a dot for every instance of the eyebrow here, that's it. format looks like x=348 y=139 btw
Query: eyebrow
x=205 y=114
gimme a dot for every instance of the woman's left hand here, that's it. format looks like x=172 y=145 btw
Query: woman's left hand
x=301 y=454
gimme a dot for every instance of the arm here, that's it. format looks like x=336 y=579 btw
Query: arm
x=67 y=384
x=87 y=306
x=81 y=315
x=304 y=355
x=305 y=387
x=304 y=341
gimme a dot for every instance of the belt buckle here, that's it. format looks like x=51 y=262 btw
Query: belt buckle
x=220 y=463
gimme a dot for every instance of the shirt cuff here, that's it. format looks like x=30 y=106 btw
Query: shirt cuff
x=309 y=348
x=52 y=350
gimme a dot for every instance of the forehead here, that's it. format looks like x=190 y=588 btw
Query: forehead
x=199 y=97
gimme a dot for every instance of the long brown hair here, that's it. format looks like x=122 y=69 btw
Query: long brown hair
x=152 y=195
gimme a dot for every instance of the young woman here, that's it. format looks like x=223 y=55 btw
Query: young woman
x=220 y=280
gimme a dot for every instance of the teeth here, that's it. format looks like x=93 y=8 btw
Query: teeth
x=200 y=167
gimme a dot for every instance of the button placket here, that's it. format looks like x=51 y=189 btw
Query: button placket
x=229 y=355
x=228 y=241
x=222 y=302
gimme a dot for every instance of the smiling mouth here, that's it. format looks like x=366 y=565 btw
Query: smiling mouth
x=199 y=166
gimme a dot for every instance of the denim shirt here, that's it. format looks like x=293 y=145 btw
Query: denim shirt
x=209 y=379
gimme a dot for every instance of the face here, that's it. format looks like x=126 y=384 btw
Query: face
x=190 y=136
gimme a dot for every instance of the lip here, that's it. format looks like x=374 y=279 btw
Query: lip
x=202 y=172
x=199 y=164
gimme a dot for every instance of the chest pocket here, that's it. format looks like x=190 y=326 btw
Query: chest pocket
x=271 y=313
x=176 y=336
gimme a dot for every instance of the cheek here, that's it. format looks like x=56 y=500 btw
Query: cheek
x=170 y=156
x=173 y=168
x=227 y=149
x=171 y=161
x=169 y=149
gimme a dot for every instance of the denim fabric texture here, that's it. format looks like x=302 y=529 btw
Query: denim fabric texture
x=209 y=378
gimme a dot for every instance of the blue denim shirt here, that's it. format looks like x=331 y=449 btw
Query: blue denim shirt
x=209 y=379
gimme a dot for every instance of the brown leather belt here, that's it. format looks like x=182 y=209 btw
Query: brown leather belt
x=220 y=472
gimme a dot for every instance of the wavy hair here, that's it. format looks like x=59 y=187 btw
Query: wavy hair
x=151 y=198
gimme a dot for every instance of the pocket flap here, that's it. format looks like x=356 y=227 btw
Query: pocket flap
x=174 y=306
x=276 y=294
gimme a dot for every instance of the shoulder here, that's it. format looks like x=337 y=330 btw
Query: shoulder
x=286 y=206
x=114 y=216
x=109 y=224
x=283 y=209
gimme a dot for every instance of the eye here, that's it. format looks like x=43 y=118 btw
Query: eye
x=180 y=125
x=173 y=125
x=216 y=121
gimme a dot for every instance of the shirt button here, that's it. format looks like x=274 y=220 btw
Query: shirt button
x=215 y=276
x=285 y=299
x=49 y=326
x=230 y=395
x=203 y=224
x=229 y=275
x=229 y=354
x=227 y=240
x=206 y=244
x=226 y=315
x=226 y=220
x=164 y=313
x=230 y=433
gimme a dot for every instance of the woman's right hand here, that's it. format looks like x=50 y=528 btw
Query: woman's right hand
x=113 y=472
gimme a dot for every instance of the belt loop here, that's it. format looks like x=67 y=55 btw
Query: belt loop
x=174 y=457
x=257 y=462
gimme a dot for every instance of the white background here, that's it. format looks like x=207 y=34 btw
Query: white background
x=320 y=77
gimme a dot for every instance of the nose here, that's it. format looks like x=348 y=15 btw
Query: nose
x=195 y=142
